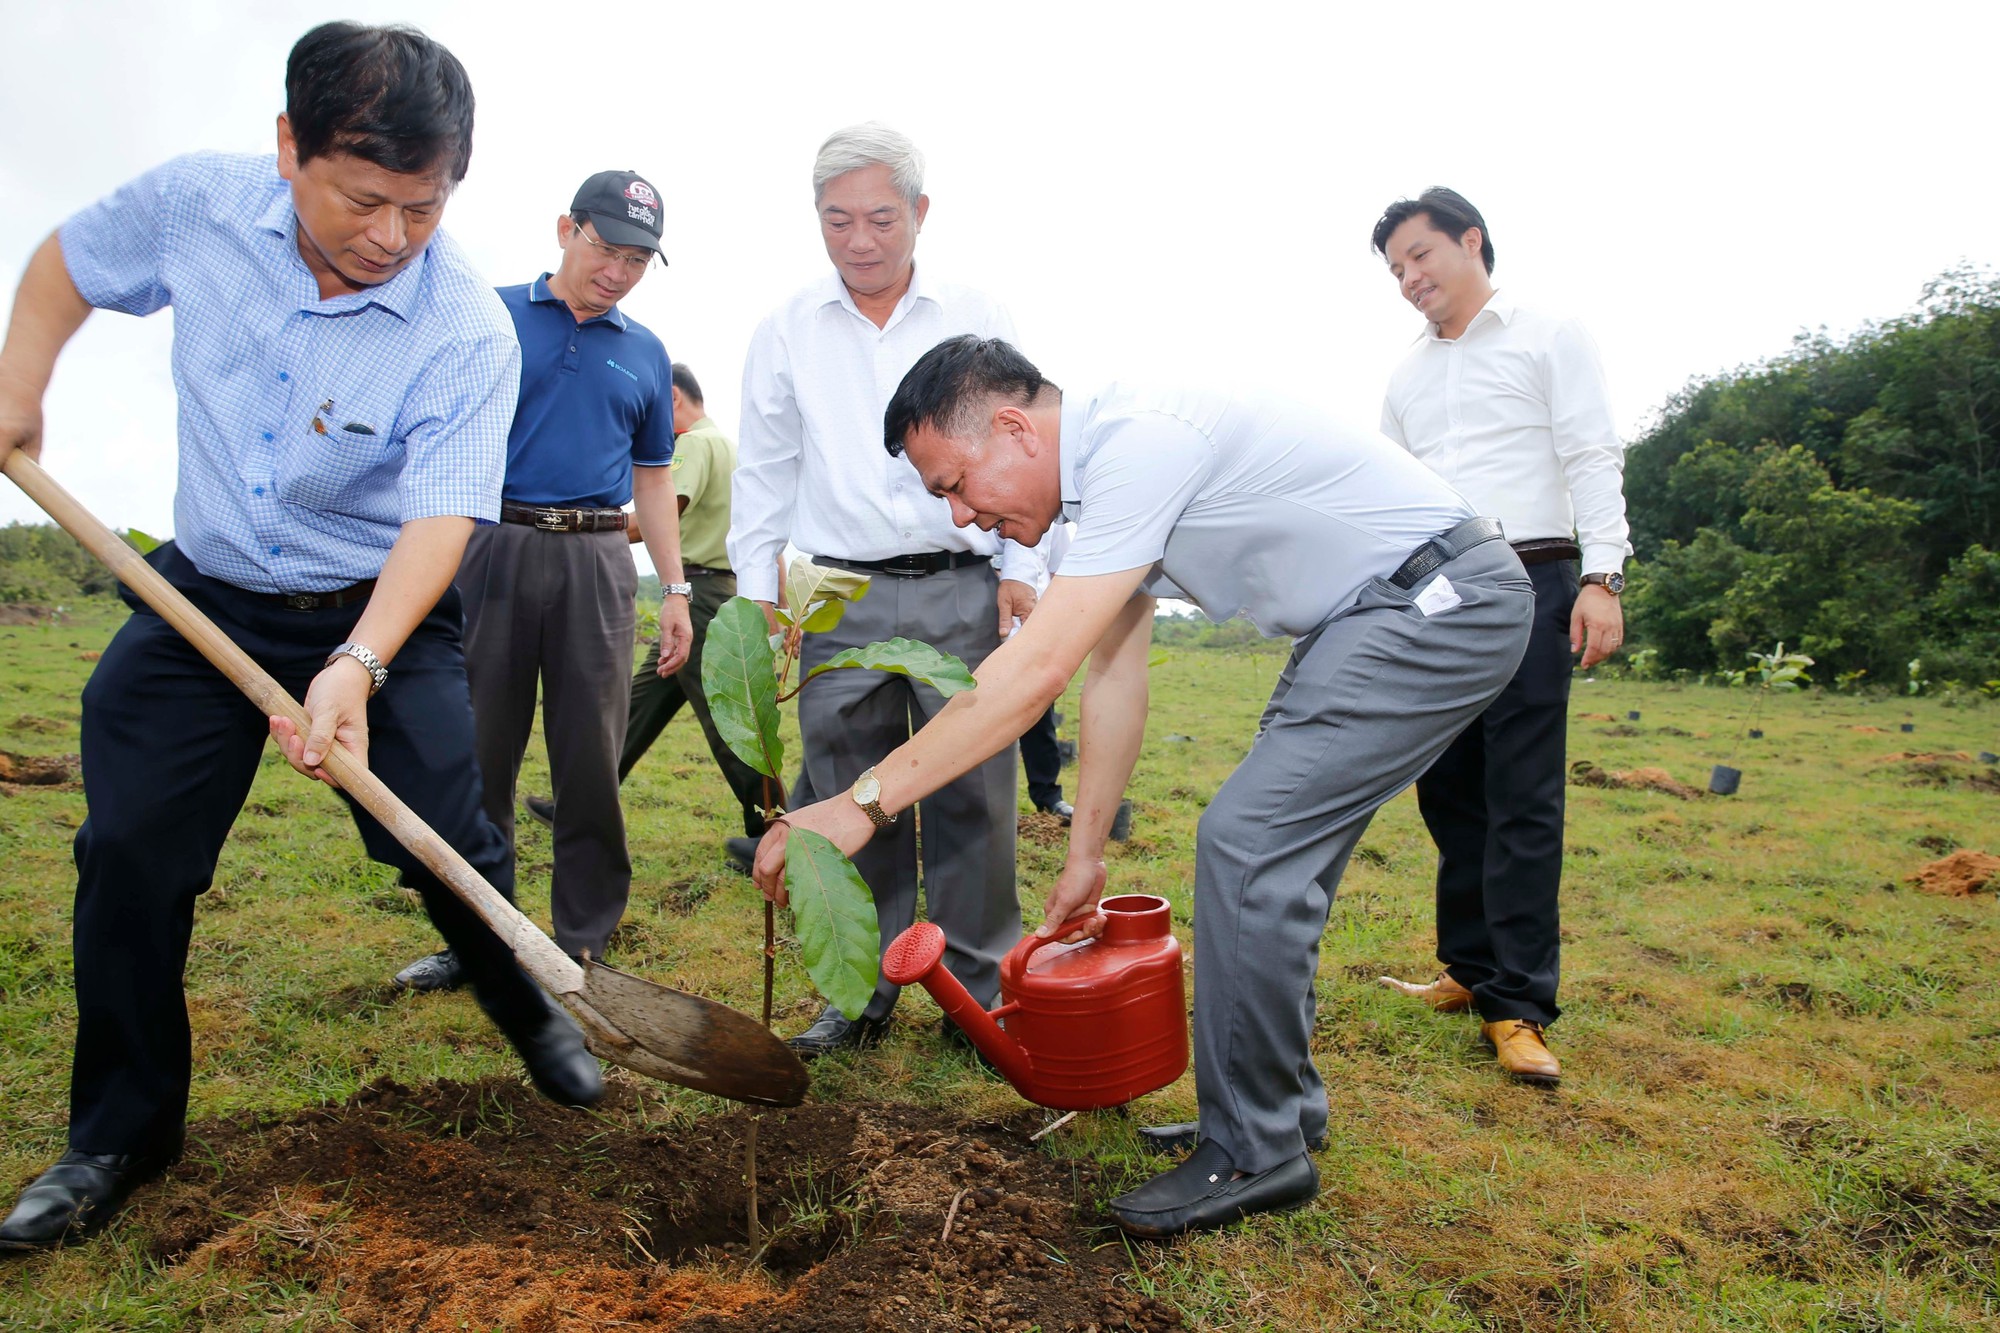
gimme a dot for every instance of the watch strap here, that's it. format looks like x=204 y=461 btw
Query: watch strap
x=676 y=590
x=362 y=653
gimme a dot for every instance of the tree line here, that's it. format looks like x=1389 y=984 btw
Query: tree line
x=1843 y=497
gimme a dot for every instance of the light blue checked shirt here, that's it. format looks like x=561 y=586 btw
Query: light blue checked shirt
x=421 y=374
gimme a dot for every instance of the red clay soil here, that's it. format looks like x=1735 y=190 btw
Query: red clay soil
x=39 y=770
x=484 y=1206
x=1960 y=875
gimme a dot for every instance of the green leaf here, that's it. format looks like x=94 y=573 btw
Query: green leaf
x=737 y=672
x=818 y=595
x=904 y=657
x=833 y=917
x=142 y=542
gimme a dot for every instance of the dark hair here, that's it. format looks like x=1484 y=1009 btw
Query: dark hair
x=684 y=381
x=390 y=96
x=954 y=379
x=1449 y=211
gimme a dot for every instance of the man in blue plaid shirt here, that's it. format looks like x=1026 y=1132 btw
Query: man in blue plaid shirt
x=346 y=384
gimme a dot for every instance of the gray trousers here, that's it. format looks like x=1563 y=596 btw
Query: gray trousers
x=555 y=609
x=1367 y=702
x=853 y=718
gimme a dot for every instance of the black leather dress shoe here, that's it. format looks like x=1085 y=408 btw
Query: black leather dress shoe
x=742 y=852
x=541 y=809
x=835 y=1031
x=552 y=1048
x=1199 y=1194
x=434 y=972
x=1167 y=1139
x=75 y=1197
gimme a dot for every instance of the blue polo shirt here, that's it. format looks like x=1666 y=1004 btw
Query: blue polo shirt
x=595 y=400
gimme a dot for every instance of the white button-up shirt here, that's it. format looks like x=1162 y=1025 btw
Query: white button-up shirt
x=1515 y=415
x=811 y=467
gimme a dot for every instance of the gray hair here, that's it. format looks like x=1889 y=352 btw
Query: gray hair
x=870 y=144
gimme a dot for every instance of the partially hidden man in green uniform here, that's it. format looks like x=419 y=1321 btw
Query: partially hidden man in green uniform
x=704 y=460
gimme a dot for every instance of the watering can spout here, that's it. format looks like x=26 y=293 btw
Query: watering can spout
x=916 y=957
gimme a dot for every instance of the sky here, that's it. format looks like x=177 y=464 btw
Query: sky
x=1157 y=192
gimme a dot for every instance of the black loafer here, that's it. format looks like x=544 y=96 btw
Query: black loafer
x=742 y=852
x=552 y=1048
x=541 y=809
x=1184 y=1137
x=437 y=972
x=75 y=1197
x=1198 y=1194
x=835 y=1031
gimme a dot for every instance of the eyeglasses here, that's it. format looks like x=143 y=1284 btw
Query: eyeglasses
x=634 y=264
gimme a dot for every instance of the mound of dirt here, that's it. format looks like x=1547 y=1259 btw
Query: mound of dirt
x=39 y=770
x=1583 y=773
x=1872 y=731
x=1960 y=875
x=1595 y=717
x=22 y=613
x=1942 y=768
x=1925 y=757
x=1043 y=829
x=484 y=1206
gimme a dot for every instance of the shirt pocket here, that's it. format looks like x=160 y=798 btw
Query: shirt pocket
x=343 y=471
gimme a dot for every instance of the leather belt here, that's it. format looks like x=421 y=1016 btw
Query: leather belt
x=322 y=601
x=1445 y=548
x=913 y=566
x=565 y=520
x=1546 y=550
x=709 y=570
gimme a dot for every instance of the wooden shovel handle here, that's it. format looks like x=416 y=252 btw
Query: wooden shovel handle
x=537 y=953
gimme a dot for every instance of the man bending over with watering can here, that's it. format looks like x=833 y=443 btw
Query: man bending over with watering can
x=1409 y=615
x=346 y=383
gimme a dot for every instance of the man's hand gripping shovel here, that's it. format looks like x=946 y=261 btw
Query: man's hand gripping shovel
x=668 y=1034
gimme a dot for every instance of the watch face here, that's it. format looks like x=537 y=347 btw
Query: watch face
x=1614 y=583
x=867 y=789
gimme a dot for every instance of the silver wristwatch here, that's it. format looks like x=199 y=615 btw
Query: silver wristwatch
x=365 y=655
x=676 y=589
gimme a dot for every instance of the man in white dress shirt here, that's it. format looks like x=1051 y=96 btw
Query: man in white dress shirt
x=1507 y=404
x=812 y=470
x=1408 y=615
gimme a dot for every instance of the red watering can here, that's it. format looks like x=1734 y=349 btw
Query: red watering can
x=1088 y=1025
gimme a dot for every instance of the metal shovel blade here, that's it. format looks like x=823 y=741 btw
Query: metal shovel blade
x=685 y=1039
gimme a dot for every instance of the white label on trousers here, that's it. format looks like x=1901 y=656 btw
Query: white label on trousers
x=1438 y=595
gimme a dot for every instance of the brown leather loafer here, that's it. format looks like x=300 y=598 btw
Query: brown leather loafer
x=1522 y=1051
x=1444 y=995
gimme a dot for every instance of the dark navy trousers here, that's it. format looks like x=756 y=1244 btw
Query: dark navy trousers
x=170 y=748
x=1494 y=805
x=1041 y=761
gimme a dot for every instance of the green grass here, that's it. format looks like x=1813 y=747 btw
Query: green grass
x=1781 y=1104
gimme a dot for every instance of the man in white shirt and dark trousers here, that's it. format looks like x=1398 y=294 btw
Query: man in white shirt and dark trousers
x=811 y=470
x=1508 y=404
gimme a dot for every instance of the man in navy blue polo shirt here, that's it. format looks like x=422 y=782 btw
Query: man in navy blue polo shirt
x=346 y=381
x=549 y=592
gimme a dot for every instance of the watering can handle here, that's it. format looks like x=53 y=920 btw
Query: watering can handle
x=1018 y=957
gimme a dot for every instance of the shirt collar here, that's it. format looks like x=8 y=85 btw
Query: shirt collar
x=398 y=296
x=835 y=293
x=1499 y=305
x=1069 y=443
x=539 y=293
x=700 y=424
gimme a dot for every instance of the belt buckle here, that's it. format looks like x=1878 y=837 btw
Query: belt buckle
x=302 y=601
x=554 y=520
x=908 y=571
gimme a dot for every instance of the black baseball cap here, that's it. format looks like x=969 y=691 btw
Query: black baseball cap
x=623 y=206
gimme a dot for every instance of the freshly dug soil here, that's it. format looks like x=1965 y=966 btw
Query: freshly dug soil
x=39 y=770
x=484 y=1206
x=1960 y=875
x=1583 y=773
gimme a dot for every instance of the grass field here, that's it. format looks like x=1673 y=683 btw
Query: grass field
x=1781 y=1103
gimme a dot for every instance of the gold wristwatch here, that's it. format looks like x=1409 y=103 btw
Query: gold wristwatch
x=867 y=794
